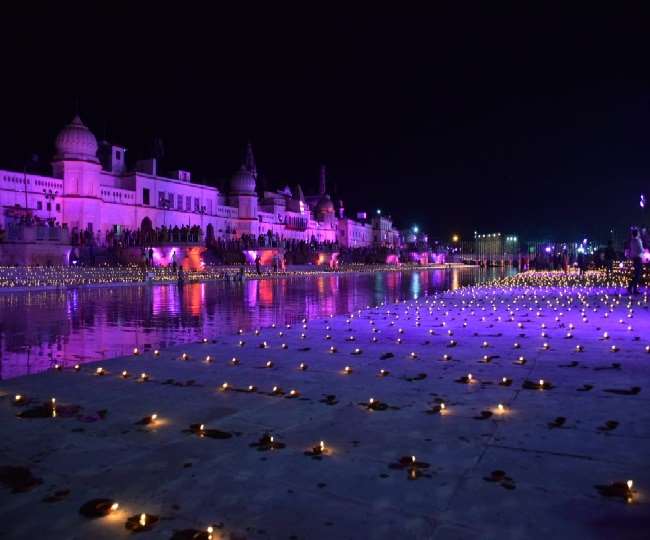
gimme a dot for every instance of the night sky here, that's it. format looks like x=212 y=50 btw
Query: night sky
x=534 y=123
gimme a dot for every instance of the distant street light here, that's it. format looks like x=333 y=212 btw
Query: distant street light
x=455 y=238
x=416 y=229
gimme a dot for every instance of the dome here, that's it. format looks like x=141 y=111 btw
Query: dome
x=324 y=206
x=76 y=141
x=242 y=181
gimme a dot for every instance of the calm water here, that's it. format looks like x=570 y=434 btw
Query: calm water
x=39 y=329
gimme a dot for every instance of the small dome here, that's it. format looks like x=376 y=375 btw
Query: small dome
x=324 y=206
x=76 y=141
x=242 y=181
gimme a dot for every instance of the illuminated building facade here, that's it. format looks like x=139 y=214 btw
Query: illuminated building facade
x=91 y=190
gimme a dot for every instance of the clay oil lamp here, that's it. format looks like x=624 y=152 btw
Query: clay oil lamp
x=234 y=361
x=505 y=381
x=241 y=343
x=621 y=490
x=156 y=352
x=268 y=442
x=446 y=357
x=148 y=420
x=452 y=343
x=269 y=364
x=398 y=341
x=303 y=366
x=77 y=367
x=350 y=338
x=141 y=523
x=293 y=394
x=264 y=345
x=579 y=348
x=136 y=351
x=20 y=399
x=466 y=379
x=185 y=357
x=501 y=409
x=328 y=337
x=225 y=387
x=284 y=346
x=347 y=370
x=383 y=373
x=374 y=339
x=318 y=451
x=205 y=340
x=58 y=367
x=257 y=332
x=375 y=405
x=277 y=391
x=240 y=331
x=251 y=388
x=208 y=359
x=516 y=345
x=546 y=346
x=125 y=374
x=520 y=361
x=485 y=345
x=439 y=408
x=100 y=372
x=97 y=508
x=647 y=348
x=303 y=335
x=357 y=352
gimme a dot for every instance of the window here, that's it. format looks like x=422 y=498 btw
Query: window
x=188 y=203
x=145 y=196
x=39 y=205
x=196 y=204
x=179 y=202
x=49 y=207
x=58 y=207
x=209 y=207
x=161 y=199
x=118 y=155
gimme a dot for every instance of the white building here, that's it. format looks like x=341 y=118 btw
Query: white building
x=91 y=189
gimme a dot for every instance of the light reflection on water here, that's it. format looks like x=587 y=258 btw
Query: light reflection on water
x=41 y=328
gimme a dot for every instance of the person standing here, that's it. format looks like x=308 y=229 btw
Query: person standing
x=174 y=265
x=636 y=249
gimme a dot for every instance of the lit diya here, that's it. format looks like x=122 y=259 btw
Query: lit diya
x=267 y=442
x=141 y=522
x=414 y=468
x=202 y=431
x=96 y=508
x=318 y=451
x=620 y=490
x=147 y=420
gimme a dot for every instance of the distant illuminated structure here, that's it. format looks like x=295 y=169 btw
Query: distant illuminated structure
x=496 y=247
x=91 y=189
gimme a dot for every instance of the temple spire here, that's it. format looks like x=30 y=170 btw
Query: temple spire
x=322 y=188
x=249 y=161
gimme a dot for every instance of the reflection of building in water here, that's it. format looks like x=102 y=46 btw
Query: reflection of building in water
x=38 y=329
x=92 y=189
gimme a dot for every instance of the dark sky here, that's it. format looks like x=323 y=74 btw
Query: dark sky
x=532 y=122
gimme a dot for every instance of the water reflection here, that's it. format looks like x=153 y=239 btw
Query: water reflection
x=39 y=329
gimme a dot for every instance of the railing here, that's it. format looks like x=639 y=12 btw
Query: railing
x=36 y=233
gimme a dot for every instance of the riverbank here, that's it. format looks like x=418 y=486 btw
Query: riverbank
x=14 y=278
x=573 y=422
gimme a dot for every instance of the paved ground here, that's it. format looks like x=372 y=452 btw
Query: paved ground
x=552 y=445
